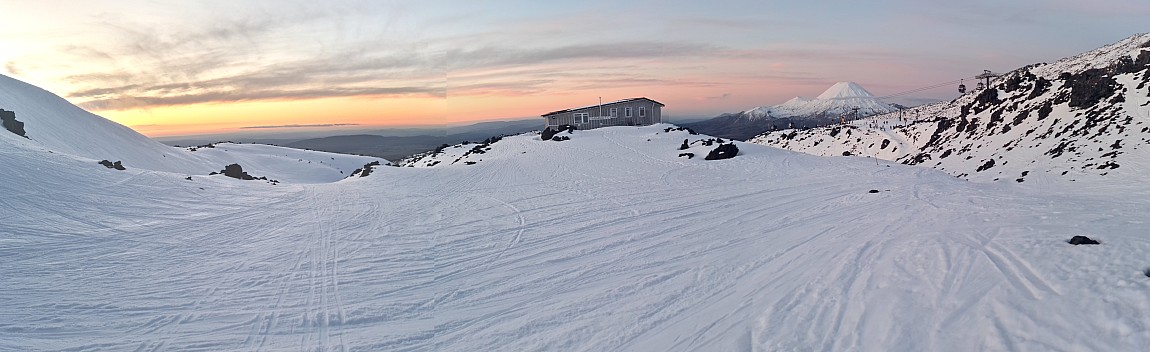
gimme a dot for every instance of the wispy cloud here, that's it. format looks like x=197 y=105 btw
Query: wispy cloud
x=126 y=102
x=349 y=72
x=301 y=126
x=503 y=56
x=12 y=68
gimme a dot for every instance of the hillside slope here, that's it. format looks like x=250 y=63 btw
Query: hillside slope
x=1082 y=117
x=55 y=127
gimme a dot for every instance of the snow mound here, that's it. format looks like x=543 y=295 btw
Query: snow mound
x=56 y=127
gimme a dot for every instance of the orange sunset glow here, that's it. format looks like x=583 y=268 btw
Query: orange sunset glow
x=192 y=68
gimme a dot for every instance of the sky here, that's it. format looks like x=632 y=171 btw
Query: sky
x=189 y=67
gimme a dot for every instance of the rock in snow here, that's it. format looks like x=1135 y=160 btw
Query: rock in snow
x=1077 y=240
x=9 y=122
x=723 y=151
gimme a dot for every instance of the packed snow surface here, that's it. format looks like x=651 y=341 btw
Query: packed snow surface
x=606 y=241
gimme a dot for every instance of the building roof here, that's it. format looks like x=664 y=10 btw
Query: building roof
x=603 y=104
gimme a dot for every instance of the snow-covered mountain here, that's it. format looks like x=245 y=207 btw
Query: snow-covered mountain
x=606 y=239
x=839 y=101
x=1087 y=116
x=841 y=98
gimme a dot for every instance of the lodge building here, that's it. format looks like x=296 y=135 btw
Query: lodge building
x=626 y=112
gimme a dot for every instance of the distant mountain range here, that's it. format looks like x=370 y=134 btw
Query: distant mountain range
x=841 y=99
x=390 y=144
x=398 y=147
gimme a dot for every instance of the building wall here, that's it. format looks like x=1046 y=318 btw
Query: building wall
x=600 y=116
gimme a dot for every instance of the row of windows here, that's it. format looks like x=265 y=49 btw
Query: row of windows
x=582 y=117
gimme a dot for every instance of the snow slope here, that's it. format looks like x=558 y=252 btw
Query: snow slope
x=1084 y=117
x=607 y=241
x=56 y=126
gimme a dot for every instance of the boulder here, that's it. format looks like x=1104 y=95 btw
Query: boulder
x=723 y=151
x=8 y=120
x=1077 y=240
x=236 y=171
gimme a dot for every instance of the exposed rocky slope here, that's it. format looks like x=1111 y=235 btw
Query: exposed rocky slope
x=1084 y=116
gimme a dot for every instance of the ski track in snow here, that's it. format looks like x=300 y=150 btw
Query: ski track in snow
x=628 y=248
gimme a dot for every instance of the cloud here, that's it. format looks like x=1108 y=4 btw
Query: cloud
x=718 y=97
x=356 y=71
x=309 y=54
x=123 y=102
x=502 y=56
x=301 y=126
x=12 y=69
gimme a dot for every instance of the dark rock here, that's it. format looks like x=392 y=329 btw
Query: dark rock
x=365 y=170
x=1088 y=88
x=688 y=155
x=986 y=166
x=723 y=151
x=8 y=120
x=873 y=191
x=1077 y=240
x=916 y=159
x=685 y=145
x=112 y=165
x=548 y=133
x=235 y=171
x=689 y=131
x=189 y=178
x=846 y=153
x=985 y=99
